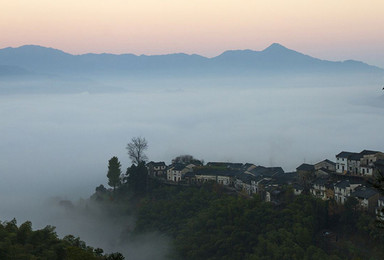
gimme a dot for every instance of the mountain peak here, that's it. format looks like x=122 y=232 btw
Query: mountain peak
x=275 y=47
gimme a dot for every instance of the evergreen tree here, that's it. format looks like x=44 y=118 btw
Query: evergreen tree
x=114 y=172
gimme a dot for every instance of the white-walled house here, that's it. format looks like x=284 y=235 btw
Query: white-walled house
x=176 y=172
x=354 y=163
x=342 y=162
x=225 y=177
x=343 y=190
x=319 y=188
x=360 y=164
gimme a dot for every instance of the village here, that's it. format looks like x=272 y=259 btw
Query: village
x=351 y=176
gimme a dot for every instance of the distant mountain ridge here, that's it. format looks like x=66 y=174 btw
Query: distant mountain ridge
x=274 y=59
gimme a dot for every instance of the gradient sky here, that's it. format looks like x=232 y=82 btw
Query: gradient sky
x=327 y=29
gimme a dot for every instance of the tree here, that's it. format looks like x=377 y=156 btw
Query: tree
x=137 y=178
x=115 y=256
x=186 y=159
x=114 y=172
x=136 y=149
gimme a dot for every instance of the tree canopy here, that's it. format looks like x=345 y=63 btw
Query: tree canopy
x=185 y=159
x=137 y=178
x=24 y=243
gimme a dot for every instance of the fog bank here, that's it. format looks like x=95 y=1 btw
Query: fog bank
x=60 y=144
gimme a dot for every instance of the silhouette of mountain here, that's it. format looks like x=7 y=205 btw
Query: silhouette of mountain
x=274 y=59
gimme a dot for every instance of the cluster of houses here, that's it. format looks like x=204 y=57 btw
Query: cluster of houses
x=350 y=176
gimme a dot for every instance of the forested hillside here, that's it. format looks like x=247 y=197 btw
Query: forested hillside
x=208 y=223
x=23 y=243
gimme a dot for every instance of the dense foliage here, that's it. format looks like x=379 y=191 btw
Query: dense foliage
x=207 y=223
x=24 y=243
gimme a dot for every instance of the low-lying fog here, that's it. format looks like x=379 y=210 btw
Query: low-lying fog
x=59 y=144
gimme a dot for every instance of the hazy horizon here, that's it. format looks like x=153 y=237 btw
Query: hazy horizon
x=329 y=30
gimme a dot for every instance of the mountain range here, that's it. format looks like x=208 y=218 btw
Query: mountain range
x=32 y=59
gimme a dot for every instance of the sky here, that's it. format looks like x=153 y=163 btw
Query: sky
x=326 y=29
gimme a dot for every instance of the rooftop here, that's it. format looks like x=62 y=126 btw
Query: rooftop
x=216 y=171
x=364 y=193
x=343 y=154
x=156 y=163
x=226 y=164
x=305 y=167
x=266 y=171
x=327 y=161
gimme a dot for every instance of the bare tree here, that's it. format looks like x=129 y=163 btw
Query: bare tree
x=136 y=149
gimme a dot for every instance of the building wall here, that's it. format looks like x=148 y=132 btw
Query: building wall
x=354 y=167
x=341 y=165
x=367 y=163
x=326 y=165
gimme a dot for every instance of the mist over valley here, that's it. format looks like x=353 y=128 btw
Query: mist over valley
x=64 y=116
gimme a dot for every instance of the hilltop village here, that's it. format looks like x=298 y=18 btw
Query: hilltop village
x=352 y=175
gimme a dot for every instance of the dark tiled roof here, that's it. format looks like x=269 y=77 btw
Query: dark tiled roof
x=343 y=154
x=177 y=166
x=266 y=171
x=327 y=161
x=364 y=193
x=342 y=184
x=347 y=182
x=246 y=178
x=284 y=178
x=321 y=181
x=226 y=165
x=157 y=163
x=355 y=157
x=368 y=152
x=325 y=170
x=306 y=167
x=189 y=175
x=216 y=171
